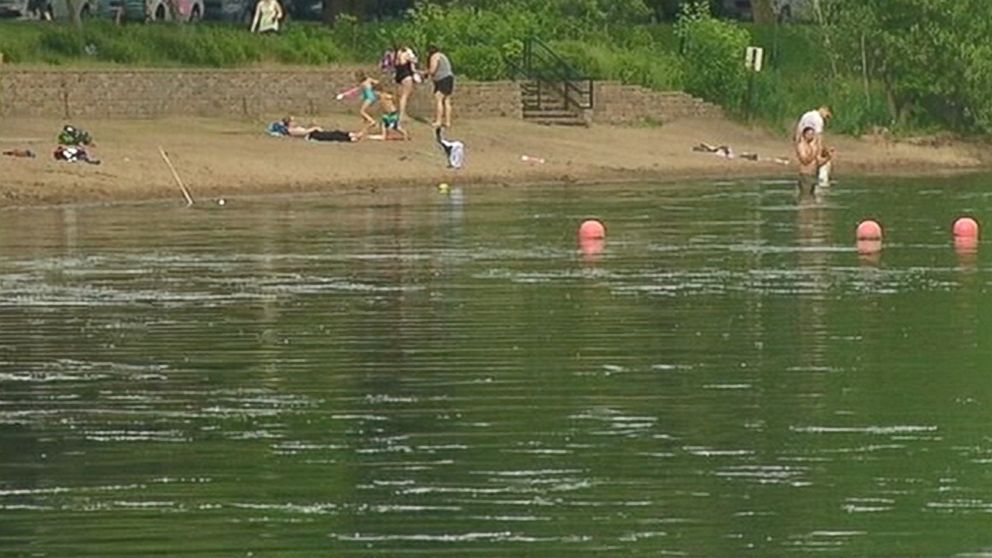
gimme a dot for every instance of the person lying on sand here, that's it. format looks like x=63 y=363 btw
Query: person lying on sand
x=727 y=152
x=721 y=150
x=335 y=135
x=288 y=126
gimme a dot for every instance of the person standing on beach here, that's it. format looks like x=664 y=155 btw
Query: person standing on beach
x=811 y=155
x=439 y=70
x=404 y=65
x=268 y=14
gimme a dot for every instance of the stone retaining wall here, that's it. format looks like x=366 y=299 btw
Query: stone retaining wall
x=245 y=93
x=151 y=93
x=616 y=103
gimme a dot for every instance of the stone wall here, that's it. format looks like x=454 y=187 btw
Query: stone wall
x=616 y=104
x=244 y=93
x=130 y=93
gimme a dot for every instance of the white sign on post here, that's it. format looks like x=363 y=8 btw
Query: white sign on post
x=754 y=57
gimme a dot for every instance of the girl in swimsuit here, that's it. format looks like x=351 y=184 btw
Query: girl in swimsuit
x=369 y=98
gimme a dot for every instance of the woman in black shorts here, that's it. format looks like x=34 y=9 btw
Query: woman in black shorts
x=439 y=70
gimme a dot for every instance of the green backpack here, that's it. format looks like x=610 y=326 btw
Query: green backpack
x=74 y=136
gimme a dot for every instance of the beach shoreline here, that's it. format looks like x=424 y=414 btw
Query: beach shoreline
x=231 y=158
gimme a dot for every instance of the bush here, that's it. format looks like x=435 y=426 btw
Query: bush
x=713 y=51
x=647 y=67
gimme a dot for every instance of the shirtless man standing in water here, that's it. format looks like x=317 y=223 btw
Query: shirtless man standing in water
x=811 y=154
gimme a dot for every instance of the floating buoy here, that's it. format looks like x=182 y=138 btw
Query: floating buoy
x=965 y=227
x=965 y=244
x=592 y=228
x=869 y=230
x=869 y=246
x=591 y=247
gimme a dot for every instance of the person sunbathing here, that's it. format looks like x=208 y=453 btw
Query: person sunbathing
x=288 y=126
x=335 y=135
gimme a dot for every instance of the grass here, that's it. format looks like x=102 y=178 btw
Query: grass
x=214 y=45
x=797 y=75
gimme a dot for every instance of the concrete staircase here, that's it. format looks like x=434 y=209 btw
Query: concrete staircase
x=614 y=103
x=542 y=104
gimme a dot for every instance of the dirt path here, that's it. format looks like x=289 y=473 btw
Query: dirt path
x=218 y=157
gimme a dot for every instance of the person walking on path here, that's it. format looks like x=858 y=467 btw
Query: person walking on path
x=439 y=70
x=268 y=14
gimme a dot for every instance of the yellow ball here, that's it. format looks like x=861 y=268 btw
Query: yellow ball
x=442 y=187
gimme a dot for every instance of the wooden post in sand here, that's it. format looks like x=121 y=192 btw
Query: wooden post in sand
x=179 y=181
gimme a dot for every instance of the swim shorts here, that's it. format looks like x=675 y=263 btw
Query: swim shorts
x=445 y=86
x=391 y=120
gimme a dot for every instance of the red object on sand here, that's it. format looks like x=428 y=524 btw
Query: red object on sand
x=966 y=227
x=869 y=230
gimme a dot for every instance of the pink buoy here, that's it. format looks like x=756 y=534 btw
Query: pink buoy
x=966 y=227
x=592 y=228
x=965 y=244
x=869 y=230
x=869 y=246
x=591 y=248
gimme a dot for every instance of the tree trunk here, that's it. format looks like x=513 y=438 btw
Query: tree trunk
x=332 y=9
x=762 y=12
x=74 y=15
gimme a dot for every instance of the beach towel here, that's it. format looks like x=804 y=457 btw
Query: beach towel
x=453 y=150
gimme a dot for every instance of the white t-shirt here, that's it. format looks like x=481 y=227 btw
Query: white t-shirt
x=811 y=119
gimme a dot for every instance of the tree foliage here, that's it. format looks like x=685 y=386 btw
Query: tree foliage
x=933 y=57
x=713 y=51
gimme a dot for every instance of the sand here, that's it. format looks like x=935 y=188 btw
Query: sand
x=224 y=158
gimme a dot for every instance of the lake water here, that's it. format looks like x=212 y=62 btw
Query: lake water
x=415 y=374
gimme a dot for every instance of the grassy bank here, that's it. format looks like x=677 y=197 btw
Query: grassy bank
x=797 y=76
x=169 y=45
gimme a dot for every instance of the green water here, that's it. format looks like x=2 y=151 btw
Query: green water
x=407 y=373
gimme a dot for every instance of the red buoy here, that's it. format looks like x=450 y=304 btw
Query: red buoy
x=592 y=228
x=869 y=230
x=966 y=227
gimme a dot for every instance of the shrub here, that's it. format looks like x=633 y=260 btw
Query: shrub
x=650 y=68
x=713 y=51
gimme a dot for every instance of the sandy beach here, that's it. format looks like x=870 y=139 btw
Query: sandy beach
x=229 y=157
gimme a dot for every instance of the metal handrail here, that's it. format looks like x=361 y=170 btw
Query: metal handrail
x=549 y=70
